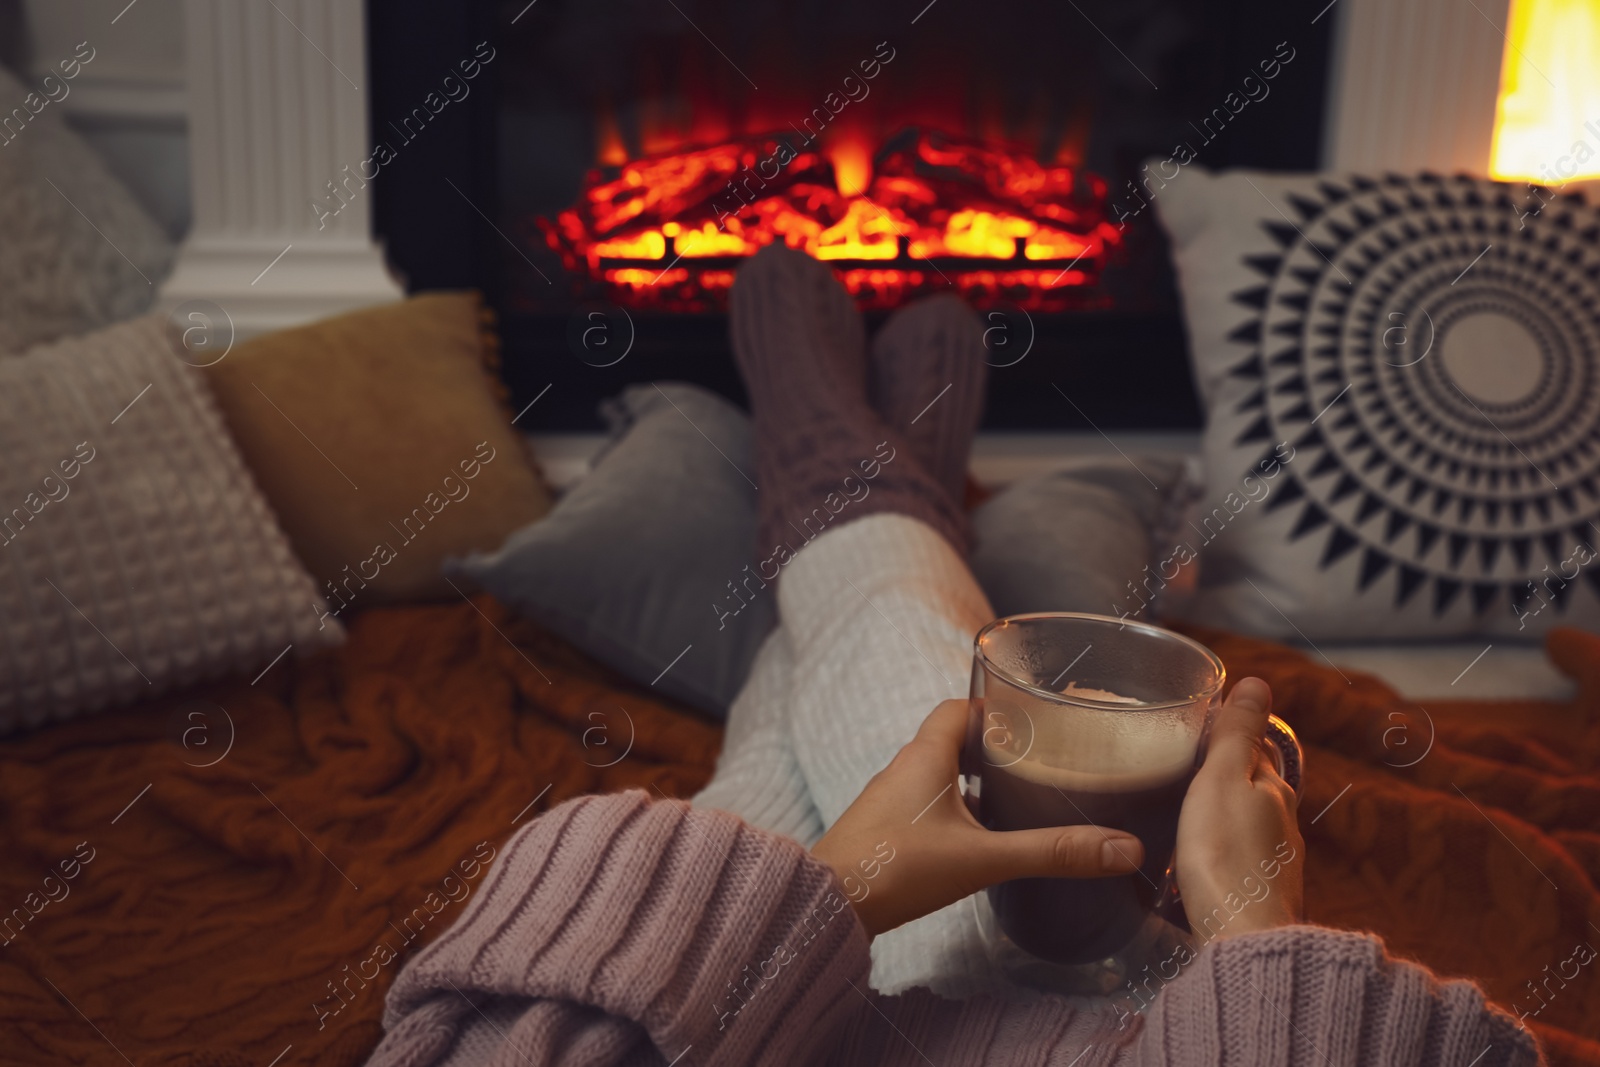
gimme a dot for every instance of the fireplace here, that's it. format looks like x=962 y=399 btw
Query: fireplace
x=621 y=157
x=927 y=212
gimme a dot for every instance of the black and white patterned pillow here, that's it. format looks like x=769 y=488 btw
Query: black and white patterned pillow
x=1427 y=353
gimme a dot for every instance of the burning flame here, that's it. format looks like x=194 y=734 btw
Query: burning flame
x=610 y=151
x=852 y=166
x=933 y=212
x=1549 y=90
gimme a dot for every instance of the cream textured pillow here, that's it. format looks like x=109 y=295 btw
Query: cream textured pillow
x=136 y=554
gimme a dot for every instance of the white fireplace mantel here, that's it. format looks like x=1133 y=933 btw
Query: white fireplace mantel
x=278 y=106
x=1414 y=85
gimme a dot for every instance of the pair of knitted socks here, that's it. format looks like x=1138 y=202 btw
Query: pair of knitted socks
x=842 y=431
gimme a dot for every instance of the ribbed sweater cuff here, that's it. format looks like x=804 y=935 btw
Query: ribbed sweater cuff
x=1308 y=994
x=708 y=932
x=617 y=930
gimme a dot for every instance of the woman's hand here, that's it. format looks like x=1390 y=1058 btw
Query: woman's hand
x=1239 y=850
x=908 y=846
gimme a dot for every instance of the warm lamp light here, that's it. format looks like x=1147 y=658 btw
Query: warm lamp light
x=1547 y=120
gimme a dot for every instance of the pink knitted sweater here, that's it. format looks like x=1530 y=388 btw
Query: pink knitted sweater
x=617 y=930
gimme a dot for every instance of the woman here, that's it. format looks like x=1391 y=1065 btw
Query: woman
x=632 y=930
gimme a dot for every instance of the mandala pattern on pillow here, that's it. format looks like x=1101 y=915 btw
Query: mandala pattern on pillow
x=1431 y=352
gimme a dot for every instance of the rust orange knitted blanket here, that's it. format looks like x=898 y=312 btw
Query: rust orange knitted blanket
x=234 y=876
x=1466 y=834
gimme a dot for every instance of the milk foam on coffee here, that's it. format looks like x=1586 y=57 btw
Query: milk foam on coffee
x=1089 y=750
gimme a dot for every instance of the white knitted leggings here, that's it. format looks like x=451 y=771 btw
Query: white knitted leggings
x=876 y=621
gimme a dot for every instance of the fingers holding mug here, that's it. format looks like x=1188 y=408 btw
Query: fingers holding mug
x=1238 y=820
x=1237 y=731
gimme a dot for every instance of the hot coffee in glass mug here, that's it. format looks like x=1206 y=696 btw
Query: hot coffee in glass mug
x=1090 y=719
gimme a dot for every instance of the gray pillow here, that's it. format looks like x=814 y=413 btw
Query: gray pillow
x=1089 y=536
x=79 y=251
x=647 y=564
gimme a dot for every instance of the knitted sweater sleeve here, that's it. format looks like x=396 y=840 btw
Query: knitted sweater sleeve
x=617 y=930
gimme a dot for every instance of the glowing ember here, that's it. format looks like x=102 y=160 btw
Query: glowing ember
x=929 y=213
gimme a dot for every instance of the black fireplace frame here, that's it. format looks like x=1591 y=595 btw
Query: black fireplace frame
x=436 y=210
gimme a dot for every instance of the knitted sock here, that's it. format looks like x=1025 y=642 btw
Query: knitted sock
x=823 y=456
x=927 y=379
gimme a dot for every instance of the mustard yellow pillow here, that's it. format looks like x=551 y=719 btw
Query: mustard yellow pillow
x=382 y=441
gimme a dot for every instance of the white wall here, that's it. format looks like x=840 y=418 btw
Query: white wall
x=129 y=101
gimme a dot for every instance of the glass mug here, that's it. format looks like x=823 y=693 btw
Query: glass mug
x=1090 y=719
